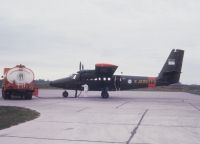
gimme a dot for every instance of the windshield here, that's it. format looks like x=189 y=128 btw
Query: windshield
x=73 y=76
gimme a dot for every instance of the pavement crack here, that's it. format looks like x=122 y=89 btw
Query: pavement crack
x=122 y=104
x=3 y=135
x=82 y=109
x=194 y=106
x=68 y=129
x=86 y=123
x=171 y=126
x=137 y=126
x=64 y=139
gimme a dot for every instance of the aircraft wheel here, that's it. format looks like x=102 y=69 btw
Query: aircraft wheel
x=104 y=94
x=65 y=94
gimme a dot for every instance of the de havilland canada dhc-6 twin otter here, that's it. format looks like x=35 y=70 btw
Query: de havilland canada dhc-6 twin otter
x=102 y=78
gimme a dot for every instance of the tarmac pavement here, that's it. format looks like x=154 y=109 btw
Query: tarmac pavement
x=131 y=117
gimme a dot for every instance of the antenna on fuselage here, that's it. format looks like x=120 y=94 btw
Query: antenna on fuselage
x=82 y=67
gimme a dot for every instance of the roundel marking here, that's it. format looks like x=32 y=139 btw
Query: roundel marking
x=129 y=81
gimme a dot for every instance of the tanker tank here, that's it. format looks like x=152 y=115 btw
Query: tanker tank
x=18 y=82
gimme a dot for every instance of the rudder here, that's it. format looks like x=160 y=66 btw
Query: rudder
x=171 y=70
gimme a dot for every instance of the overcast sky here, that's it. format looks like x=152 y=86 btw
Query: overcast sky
x=52 y=36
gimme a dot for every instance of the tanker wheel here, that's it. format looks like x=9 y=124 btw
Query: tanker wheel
x=3 y=94
x=65 y=94
x=6 y=95
x=28 y=96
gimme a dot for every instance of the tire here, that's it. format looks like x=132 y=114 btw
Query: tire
x=28 y=95
x=6 y=95
x=104 y=94
x=3 y=95
x=65 y=94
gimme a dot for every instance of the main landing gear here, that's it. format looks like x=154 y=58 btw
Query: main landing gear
x=104 y=94
x=76 y=92
x=65 y=94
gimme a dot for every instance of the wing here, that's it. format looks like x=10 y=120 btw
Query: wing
x=105 y=70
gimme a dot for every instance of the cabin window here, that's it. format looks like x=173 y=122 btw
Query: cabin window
x=104 y=79
x=74 y=76
x=109 y=79
x=99 y=78
x=95 y=79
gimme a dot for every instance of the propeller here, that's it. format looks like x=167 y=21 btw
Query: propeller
x=81 y=66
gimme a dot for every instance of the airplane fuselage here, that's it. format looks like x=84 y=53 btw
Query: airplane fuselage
x=102 y=78
x=113 y=83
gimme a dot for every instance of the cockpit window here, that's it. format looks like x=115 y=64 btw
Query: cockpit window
x=73 y=76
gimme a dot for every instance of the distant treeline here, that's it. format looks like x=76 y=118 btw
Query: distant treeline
x=40 y=83
x=195 y=89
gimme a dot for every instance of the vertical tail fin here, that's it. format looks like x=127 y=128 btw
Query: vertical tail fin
x=171 y=71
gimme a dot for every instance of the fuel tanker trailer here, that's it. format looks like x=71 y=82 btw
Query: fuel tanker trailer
x=18 y=82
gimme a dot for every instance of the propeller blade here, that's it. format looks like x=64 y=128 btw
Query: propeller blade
x=80 y=66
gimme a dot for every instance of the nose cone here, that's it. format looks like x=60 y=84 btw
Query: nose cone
x=51 y=83
x=56 y=83
x=60 y=83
